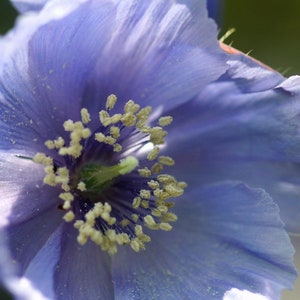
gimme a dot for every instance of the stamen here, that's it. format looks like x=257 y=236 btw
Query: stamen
x=165 y=121
x=149 y=207
x=111 y=101
x=85 y=116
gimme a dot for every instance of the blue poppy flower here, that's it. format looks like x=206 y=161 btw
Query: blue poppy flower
x=105 y=197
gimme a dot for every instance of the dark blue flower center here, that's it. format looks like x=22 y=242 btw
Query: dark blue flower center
x=112 y=201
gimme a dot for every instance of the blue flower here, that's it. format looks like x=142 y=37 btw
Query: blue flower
x=105 y=197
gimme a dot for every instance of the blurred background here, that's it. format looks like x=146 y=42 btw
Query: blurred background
x=269 y=30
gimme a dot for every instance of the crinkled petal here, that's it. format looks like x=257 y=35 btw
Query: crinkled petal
x=226 y=236
x=33 y=107
x=28 y=5
x=159 y=62
x=83 y=272
x=234 y=133
x=250 y=75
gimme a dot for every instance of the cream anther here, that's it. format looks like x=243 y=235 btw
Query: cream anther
x=85 y=116
x=111 y=101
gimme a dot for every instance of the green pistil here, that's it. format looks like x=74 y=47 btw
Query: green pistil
x=98 y=177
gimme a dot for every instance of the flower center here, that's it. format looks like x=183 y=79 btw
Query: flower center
x=112 y=185
x=97 y=177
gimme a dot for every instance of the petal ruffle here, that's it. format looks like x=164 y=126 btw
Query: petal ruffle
x=235 y=133
x=28 y=5
x=221 y=241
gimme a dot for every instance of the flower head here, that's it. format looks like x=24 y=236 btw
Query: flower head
x=92 y=102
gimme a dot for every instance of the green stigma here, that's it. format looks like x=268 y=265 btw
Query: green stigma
x=97 y=177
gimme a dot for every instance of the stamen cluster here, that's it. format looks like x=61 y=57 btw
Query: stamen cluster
x=150 y=206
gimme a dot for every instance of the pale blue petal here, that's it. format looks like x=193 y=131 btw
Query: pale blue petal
x=83 y=272
x=42 y=267
x=26 y=239
x=32 y=106
x=160 y=63
x=24 y=195
x=21 y=113
x=235 y=132
x=28 y=5
x=226 y=236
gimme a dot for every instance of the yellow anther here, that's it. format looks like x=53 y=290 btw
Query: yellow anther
x=85 y=116
x=166 y=160
x=157 y=135
x=104 y=118
x=100 y=137
x=165 y=226
x=157 y=168
x=146 y=194
x=153 y=184
x=144 y=113
x=134 y=217
x=144 y=172
x=165 y=121
x=67 y=205
x=153 y=153
x=135 y=245
x=136 y=202
x=115 y=131
x=111 y=101
x=165 y=178
x=115 y=118
x=59 y=142
x=174 y=190
x=50 y=144
x=66 y=196
x=69 y=125
x=117 y=147
x=145 y=203
x=128 y=119
x=169 y=217
x=124 y=222
x=81 y=186
x=69 y=216
x=86 y=133
x=149 y=221
x=150 y=205
x=131 y=107
x=43 y=159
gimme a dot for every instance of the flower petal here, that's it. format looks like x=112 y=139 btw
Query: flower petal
x=251 y=75
x=32 y=104
x=45 y=259
x=235 y=294
x=26 y=239
x=235 y=133
x=83 y=272
x=28 y=5
x=23 y=194
x=167 y=54
x=160 y=61
x=221 y=241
